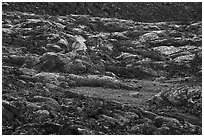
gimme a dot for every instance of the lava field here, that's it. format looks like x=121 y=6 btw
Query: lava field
x=101 y=68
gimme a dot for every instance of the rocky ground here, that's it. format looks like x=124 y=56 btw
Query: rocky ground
x=80 y=74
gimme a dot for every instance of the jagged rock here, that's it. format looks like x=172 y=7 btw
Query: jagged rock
x=178 y=97
x=70 y=63
x=48 y=103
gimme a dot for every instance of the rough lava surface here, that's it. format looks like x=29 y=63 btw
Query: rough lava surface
x=80 y=74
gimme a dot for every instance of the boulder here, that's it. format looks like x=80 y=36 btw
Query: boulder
x=160 y=120
x=47 y=103
x=176 y=97
x=167 y=50
x=80 y=66
x=47 y=77
x=187 y=97
x=184 y=58
x=79 y=44
x=51 y=61
x=11 y=110
x=122 y=120
x=156 y=100
x=41 y=115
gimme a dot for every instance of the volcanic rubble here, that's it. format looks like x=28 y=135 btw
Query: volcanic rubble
x=44 y=57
